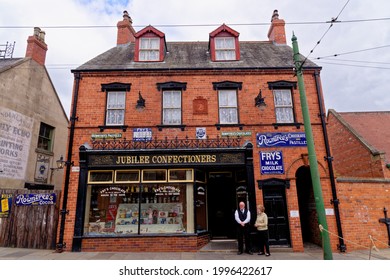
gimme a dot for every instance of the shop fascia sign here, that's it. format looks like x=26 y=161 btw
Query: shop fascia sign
x=281 y=139
x=38 y=199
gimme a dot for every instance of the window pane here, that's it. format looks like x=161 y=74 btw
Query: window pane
x=45 y=137
x=115 y=108
x=228 y=107
x=225 y=49
x=171 y=107
x=283 y=106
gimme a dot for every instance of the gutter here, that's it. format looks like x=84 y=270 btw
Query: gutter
x=61 y=245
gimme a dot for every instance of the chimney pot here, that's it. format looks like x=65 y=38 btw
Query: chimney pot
x=276 y=32
x=126 y=31
x=36 y=46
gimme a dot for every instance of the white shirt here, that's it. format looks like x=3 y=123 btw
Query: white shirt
x=237 y=218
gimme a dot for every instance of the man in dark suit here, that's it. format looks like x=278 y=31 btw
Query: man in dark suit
x=243 y=217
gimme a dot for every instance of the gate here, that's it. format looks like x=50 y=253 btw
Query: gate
x=29 y=226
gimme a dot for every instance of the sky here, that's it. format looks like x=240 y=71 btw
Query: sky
x=354 y=51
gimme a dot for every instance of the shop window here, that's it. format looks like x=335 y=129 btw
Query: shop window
x=156 y=175
x=180 y=175
x=45 y=139
x=138 y=209
x=127 y=176
x=100 y=177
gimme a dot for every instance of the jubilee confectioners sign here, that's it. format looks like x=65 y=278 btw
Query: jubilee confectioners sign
x=163 y=159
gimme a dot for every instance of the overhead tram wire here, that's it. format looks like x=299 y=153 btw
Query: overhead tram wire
x=357 y=51
x=319 y=41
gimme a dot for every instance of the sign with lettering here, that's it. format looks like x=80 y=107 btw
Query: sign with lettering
x=142 y=134
x=106 y=135
x=271 y=162
x=31 y=199
x=5 y=205
x=15 y=140
x=236 y=133
x=281 y=139
x=164 y=159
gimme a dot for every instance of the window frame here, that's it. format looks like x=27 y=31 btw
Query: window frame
x=118 y=109
x=49 y=139
x=150 y=50
x=283 y=86
x=165 y=108
x=228 y=107
x=225 y=49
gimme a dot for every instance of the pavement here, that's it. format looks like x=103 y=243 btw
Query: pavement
x=212 y=251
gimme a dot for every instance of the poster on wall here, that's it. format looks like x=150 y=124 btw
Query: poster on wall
x=42 y=169
x=5 y=205
x=15 y=140
x=271 y=162
x=281 y=139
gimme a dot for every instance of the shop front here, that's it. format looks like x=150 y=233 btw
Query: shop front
x=160 y=199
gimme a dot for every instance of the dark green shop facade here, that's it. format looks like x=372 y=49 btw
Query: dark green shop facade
x=165 y=193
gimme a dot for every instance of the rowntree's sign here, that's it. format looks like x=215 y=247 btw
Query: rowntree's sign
x=282 y=139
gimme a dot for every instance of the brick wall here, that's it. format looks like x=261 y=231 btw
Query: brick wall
x=351 y=157
x=361 y=206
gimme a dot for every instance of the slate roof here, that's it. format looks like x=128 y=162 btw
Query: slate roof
x=373 y=128
x=6 y=63
x=195 y=55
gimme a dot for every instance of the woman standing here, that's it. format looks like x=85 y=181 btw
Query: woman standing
x=262 y=227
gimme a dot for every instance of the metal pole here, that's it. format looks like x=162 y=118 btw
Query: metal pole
x=315 y=176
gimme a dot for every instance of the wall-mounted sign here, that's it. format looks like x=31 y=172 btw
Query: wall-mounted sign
x=106 y=135
x=201 y=133
x=42 y=168
x=31 y=199
x=282 y=139
x=236 y=133
x=142 y=134
x=5 y=205
x=271 y=162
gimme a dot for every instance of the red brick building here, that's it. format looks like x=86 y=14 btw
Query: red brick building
x=167 y=137
x=361 y=148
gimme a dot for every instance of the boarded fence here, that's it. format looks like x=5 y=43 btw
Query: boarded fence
x=30 y=226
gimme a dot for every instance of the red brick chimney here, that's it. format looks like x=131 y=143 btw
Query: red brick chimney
x=126 y=31
x=36 y=46
x=276 y=32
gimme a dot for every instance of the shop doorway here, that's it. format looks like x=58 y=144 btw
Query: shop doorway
x=221 y=201
x=307 y=209
x=276 y=209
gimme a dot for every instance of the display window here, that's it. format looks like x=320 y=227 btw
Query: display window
x=140 y=208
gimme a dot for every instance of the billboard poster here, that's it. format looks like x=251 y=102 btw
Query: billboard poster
x=271 y=162
x=15 y=139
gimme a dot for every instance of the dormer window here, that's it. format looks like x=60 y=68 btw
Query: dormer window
x=224 y=45
x=225 y=48
x=150 y=45
x=149 y=49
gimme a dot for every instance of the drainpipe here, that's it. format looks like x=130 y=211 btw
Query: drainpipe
x=61 y=244
x=335 y=201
